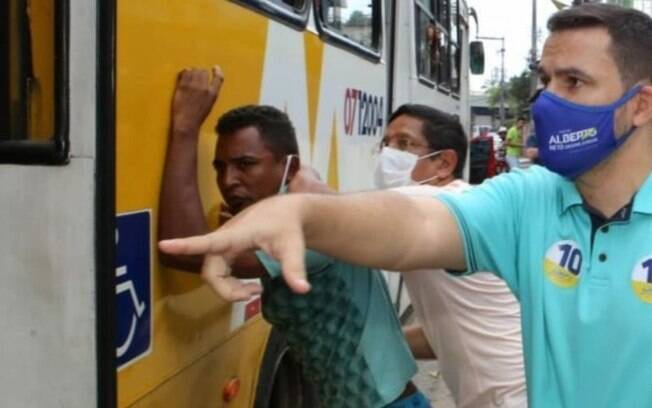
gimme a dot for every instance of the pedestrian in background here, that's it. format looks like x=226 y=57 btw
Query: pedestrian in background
x=514 y=143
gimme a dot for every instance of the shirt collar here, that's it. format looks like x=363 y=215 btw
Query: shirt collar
x=569 y=195
x=643 y=199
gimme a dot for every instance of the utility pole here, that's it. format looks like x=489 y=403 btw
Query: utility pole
x=534 y=82
x=502 y=81
x=502 y=75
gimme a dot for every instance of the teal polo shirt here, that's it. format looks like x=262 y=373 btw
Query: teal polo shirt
x=344 y=331
x=586 y=307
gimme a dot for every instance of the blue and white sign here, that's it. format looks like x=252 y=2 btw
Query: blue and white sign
x=133 y=287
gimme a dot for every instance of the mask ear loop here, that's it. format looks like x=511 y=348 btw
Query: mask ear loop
x=626 y=98
x=432 y=154
x=535 y=95
x=288 y=162
x=428 y=180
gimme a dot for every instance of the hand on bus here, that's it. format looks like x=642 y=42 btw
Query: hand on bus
x=273 y=225
x=194 y=97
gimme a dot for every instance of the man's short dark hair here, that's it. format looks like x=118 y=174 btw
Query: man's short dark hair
x=274 y=127
x=630 y=31
x=441 y=130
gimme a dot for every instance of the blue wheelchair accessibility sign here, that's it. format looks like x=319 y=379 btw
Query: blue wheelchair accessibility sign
x=133 y=287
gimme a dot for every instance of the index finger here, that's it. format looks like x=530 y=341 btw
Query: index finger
x=197 y=245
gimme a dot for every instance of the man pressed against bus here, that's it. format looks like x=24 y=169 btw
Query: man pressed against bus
x=344 y=333
x=572 y=240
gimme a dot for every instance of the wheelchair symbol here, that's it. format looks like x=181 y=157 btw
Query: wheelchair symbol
x=139 y=308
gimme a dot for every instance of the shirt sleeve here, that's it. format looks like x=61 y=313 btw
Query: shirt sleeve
x=315 y=262
x=489 y=219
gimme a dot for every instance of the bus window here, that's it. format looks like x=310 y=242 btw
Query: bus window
x=294 y=12
x=428 y=41
x=295 y=5
x=438 y=42
x=455 y=39
x=27 y=82
x=443 y=68
x=353 y=23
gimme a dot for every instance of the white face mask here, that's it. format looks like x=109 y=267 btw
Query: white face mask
x=394 y=168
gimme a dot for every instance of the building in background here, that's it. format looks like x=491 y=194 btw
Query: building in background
x=485 y=116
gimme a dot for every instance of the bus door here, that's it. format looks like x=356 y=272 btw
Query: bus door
x=55 y=248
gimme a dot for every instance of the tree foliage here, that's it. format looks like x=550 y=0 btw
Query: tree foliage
x=517 y=93
x=358 y=19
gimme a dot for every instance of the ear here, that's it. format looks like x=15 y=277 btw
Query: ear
x=643 y=113
x=447 y=163
x=295 y=166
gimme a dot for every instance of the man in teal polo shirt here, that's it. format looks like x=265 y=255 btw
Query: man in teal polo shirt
x=583 y=282
x=572 y=241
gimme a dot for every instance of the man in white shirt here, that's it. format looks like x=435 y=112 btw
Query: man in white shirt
x=470 y=324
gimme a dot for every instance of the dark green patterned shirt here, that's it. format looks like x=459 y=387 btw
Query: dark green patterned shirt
x=344 y=331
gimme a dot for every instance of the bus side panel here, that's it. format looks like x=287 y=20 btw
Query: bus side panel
x=335 y=99
x=47 y=294
x=465 y=72
x=201 y=384
x=155 y=41
x=350 y=119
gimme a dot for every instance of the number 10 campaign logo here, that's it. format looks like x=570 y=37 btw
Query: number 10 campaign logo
x=642 y=279
x=563 y=264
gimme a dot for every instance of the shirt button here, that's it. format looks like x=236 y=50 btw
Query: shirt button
x=605 y=229
x=602 y=257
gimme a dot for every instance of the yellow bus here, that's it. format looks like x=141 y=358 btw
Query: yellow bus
x=89 y=317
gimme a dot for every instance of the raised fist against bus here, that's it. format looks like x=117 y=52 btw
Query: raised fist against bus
x=194 y=97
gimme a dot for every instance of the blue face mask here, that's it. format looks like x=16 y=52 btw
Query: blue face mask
x=573 y=138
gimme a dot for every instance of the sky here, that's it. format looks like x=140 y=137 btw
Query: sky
x=513 y=20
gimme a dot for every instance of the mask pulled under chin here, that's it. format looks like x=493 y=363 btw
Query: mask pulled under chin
x=573 y=138
x=394 y=168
